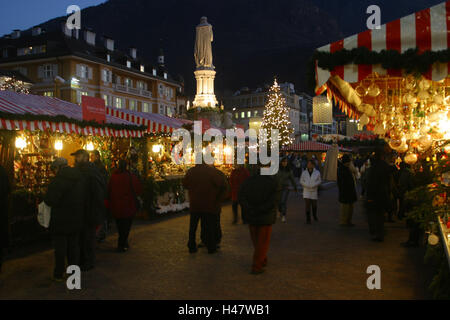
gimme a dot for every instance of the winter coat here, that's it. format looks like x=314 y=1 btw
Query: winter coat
x=377 y=185
x=238 y=176
x=285 y=178
x=346 y=185
x=95 y=188
x=207 y=188
x=405 y=182
x=66 y=197
x=5 y=189
x=310 y=184
x=123 y=190
x=258 y=198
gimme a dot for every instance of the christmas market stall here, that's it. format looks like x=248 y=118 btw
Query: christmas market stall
x=394 y=80
x=163 y=181
x=36 y=129
x=310 y=148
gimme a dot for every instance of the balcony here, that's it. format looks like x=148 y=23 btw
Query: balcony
x=130 y=90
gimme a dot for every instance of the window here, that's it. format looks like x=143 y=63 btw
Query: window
x=236 y=115
x=128 y=82
x=145 y=107
x=48 y=94
x=132 y=105
x=161 y=90
x=108 y=57
x=107 y=75
x=107 y=99
x=249 y=114
x=119 y=103
x=255 y=113
x=118 y=80
x=169 y=111
x=80 y=94
x=142 y=68
x=48 y=71
x=161 y=109
x=140 y=85
x=242 y=115
x=84 y=72
x=128 y=64
x=154 y=72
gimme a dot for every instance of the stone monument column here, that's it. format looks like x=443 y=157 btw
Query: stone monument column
x=204 y=72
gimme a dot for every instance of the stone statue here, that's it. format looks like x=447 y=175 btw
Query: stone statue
x=203 y=51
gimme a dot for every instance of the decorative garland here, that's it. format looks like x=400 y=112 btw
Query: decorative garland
x=410 y=61
x=61 y=118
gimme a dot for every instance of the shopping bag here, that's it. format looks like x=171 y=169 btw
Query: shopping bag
x=44 y=212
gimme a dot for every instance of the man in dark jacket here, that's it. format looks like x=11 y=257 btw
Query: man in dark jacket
x=258 y=197
x=207 y=188
x=5 y=189
x=377 y=198
x=65 y=196
x=95 y=194
x=103 y=228
x=347 y=191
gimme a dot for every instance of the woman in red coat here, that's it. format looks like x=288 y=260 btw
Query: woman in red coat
x=238 y=176
x=123 y=190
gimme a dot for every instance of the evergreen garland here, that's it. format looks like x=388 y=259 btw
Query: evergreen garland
x=410 y=61
x=61 y=118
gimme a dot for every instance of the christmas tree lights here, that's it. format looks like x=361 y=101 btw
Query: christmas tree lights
x=276 y=116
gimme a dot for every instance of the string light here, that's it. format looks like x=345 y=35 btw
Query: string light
x=276 y=116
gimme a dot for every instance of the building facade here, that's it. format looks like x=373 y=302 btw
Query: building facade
x=247 y=106
x=68 y=64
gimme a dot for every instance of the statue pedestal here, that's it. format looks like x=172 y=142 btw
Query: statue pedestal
x=205 y=96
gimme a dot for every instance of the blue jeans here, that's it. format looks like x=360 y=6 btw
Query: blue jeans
x=282 y=205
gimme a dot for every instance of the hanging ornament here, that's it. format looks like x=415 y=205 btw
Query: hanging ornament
x=361 y=90
x=373 y=90
x=424 y=84
x=411 y=158
x=409 y=83
x=364 y=120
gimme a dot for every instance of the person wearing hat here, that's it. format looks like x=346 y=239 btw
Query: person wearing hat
x=310 y=181
x=66 y=197
x=347 y=191
x=95 y=190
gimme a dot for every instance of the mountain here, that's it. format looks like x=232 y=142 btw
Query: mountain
x=254 y=40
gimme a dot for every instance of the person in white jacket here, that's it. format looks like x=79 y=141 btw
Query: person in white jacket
x=310 y=181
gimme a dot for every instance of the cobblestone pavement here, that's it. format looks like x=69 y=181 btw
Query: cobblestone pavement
x=318 y=261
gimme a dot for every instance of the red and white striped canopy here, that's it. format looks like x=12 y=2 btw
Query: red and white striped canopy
x=155 y=122
x=311 y=146
x=426 y=30
x=20 y=104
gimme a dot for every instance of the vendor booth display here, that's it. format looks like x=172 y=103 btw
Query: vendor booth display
x=34 y=130
x=395 y=81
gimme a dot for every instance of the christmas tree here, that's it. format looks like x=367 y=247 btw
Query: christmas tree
x=276 y=116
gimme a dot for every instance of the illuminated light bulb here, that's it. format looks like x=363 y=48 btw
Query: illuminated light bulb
x=89 y=146
x=21 y=143
x=58 y=145
x=156 y=148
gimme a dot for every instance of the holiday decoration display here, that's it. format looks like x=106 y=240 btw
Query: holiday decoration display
x=276 y=116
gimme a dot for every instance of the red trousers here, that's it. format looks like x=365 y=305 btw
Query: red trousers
x=261 y=238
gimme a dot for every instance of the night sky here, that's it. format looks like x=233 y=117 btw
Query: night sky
x=23 y=14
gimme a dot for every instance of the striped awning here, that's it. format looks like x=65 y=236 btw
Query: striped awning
x=311 y=146
x=426 y=30
x=13 y=103
x=155 y=122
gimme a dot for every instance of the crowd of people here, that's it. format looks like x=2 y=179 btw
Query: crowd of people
x=84 y=198
x=81 y=199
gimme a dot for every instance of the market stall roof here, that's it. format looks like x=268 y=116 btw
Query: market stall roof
x=426 y=30
x=25 y=111
x=311 y=146
x=155 y=122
